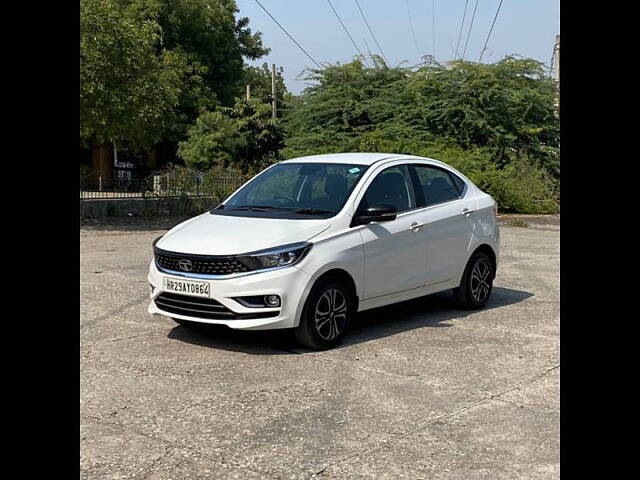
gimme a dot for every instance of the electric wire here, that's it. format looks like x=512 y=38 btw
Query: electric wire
x=288 y=35
x=433 y=27
x=413 y=32
x=464 y=15
x=371 y=32
x=491 y=30
x=464 y=52
x=346 y=30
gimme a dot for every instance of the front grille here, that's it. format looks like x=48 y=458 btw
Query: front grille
x=211 y=265
x=203 y=308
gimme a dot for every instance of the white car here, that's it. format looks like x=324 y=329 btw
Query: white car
x=310 y=241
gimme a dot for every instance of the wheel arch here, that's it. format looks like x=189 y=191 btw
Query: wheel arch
x=343 y=276
x=333 y=272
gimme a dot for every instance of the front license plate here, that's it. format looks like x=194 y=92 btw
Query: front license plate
x=186 y=287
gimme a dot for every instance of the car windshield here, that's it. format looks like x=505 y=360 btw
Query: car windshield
x=296 y=190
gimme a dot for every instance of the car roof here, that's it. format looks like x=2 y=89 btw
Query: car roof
x=356 y=158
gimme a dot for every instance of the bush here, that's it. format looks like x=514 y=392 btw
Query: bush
x=522 y=187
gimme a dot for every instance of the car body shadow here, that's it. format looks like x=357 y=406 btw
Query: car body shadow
x=429 y=311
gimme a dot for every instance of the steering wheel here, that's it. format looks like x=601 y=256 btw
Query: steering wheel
x=288 y=198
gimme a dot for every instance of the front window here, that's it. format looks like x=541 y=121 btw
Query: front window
x=392 y=186
x=295 y=190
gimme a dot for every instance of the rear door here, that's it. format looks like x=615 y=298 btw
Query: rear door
x=394 y=251
x=447 y=216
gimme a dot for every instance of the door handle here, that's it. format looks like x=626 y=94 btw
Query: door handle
x=416 y=226
x=466 y=212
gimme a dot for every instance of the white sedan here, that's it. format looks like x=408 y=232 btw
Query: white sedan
x=310 y=241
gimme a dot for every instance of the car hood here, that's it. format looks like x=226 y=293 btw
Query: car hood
x=209 y=234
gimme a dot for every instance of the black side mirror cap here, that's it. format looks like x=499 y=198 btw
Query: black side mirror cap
x=376 y=213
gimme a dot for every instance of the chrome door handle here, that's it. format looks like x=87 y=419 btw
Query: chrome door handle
x=466 y=212
x=416 y=226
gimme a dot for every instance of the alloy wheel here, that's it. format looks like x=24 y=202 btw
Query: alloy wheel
x=481 y=280
x=331 y=314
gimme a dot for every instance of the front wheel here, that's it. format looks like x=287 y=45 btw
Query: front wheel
x=326 y=315
x=477 y=282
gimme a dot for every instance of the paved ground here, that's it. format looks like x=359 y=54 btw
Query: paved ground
x=419 y=390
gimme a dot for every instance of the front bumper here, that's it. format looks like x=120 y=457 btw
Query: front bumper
x=289 y=283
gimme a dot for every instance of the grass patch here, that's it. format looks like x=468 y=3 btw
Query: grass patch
x=516 y=222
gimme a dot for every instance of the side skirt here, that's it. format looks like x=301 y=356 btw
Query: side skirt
x=407 y=294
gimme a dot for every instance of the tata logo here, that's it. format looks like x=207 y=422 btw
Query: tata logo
x=185 y=265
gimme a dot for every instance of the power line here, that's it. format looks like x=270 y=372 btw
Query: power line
x=345 y=29
x=368 y=50
x=464 y=52
x=487 y=41
x=464 y=15
x=371 y=32
x=433 y=26
x=413 y=33
x=288 y=35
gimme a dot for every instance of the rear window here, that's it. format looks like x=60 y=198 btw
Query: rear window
x=437 y=185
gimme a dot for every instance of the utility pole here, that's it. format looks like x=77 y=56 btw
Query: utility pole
x=556 y=60
x=556 y=68
x=248 y=91
x=274 y=97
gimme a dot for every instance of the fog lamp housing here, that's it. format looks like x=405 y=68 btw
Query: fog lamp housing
x=259 y=301
x=272 y=301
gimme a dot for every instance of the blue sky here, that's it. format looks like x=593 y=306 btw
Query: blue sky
x=524 y=27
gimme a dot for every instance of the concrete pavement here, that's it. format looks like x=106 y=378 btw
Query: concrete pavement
x=417 y=390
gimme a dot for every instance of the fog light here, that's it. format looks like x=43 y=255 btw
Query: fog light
x=272 y=300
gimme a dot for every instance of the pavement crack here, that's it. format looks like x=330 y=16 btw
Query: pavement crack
x=534 y=260
x=440 y=418
x=153 y=465
x=379 y=372
x=175 y=445
x=119 y=339
x=115 y=311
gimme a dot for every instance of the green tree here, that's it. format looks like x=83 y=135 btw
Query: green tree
x=212 y=142
x=260 y=80
x=507 y=106
x=127 y=90
x=496 y=122
x=244 y=136
x=211 y=38
x=343 y=103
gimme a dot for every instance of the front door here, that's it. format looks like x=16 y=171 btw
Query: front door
x=394 y=252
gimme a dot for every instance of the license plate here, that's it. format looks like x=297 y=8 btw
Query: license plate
x=186 y=287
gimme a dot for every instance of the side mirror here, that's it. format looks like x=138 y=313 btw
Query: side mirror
x=377 y=213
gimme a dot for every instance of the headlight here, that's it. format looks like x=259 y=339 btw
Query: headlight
x=284 y=256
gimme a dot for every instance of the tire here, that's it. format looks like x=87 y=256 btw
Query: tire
x=325 y=298
x=477 y=282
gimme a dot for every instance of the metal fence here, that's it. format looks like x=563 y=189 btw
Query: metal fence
x=176 y=182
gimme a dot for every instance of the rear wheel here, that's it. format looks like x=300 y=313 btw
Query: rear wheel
x=326 y=315
x=477 y=282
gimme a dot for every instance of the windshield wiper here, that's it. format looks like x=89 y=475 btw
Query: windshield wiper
x=312 y=211
x=257 y=207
